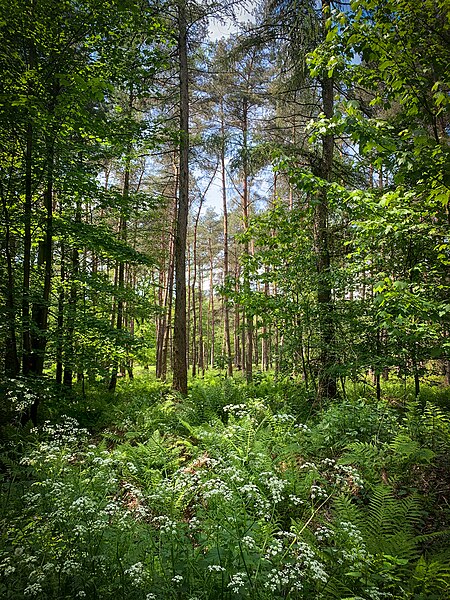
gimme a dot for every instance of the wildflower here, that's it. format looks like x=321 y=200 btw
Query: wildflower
x=295 y=500
x=236 y=582
x=136 y=572
x=275 y=548
x=248 y=541
x=33 y=589
x=317 y=492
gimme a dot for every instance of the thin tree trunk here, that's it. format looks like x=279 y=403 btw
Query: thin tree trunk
x=26 y=320
x=60 y=320
x=201 y=356
x=12 y=365
x=121 y=270
x=226 y=308
x=194 y=283
x=167 y=294
x=265 y=334
x=211 y=296
x=248 y=352
x=69 y=350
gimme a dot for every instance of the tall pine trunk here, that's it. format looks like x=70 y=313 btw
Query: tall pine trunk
x=327 y=386
x=247 y=341
x=226 y=308
x=179 y=331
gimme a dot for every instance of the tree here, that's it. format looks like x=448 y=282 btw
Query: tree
x=179 y=331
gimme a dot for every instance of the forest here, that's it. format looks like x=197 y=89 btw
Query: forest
x=225 y=300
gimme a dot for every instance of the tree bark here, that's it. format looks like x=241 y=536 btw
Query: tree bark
x=26 y=317
x=248 y=352
x=211 y=302
x=12 y=366
x=45 y=260
x=69 y=350
x=60 y=319
x=327 y=384
x=179 y=332
x=226 y=308
x=121 y=270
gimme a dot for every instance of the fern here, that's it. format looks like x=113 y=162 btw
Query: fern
x=437 y=427
x=370 y=457
x=388 y=525
x=408 y=452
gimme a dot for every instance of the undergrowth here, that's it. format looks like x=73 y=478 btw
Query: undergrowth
x=236 y=492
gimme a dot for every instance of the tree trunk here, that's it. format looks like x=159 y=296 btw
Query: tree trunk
x=194 y=283
x=121 y=271
x=166 y=304
x=327 y=385
x=226 y=308
x=60 y=320
x=45 y=260
x=179 y=332
x=69 y=350
x=211 y=302
x=26 y=320
x=201 y=356
x=248 y=352
x=12 y=365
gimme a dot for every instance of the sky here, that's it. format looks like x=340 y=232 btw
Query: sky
x=218 y=30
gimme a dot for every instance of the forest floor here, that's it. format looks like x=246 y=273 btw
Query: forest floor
x=237 y=491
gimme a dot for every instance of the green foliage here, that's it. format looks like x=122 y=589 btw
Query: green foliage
x=222 y=495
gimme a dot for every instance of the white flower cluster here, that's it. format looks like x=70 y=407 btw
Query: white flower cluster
x=165 y=524
x=289 y=576
x=33 y=589
x=275 y=484
x=217 y=487
x=66 y=432
x=237 y=581
x=216 y=568
x=20 y=395
x=357 y=555
x=70 y=567
x=309 y=561
x=249 y=542
x=308 y=466
x=317 y=492
x=302 y=427
x=194 y=523
x=295 y=500
x=251 y=495
x=238 y=410
x=137 y=573
x=348 y=477
x=234 y=474
x=322 y=533
x=83 y=506
x=283 y=418
x=275 y=548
